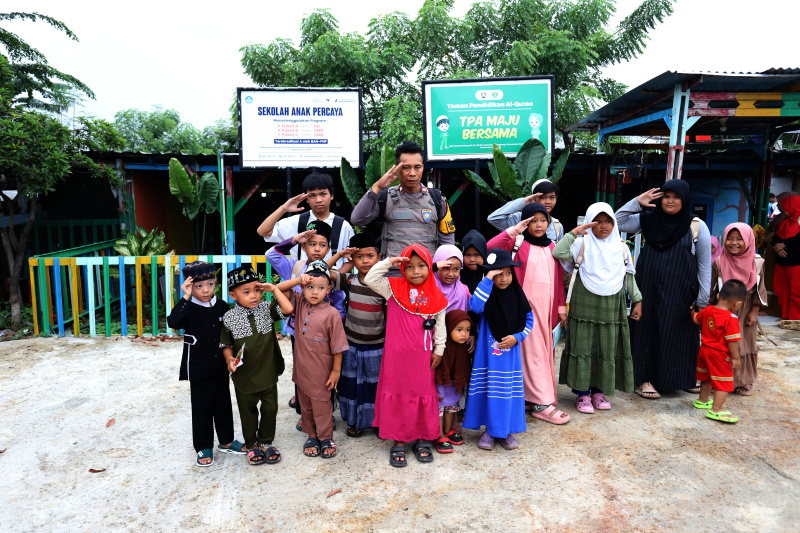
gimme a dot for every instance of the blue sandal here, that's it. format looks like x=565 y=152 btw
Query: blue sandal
x=235 y=447
x=203 y=454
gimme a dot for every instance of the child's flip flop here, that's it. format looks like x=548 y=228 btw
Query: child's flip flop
x=203 y=454
x=722 y=416
x=704 y=405
x=235 y=447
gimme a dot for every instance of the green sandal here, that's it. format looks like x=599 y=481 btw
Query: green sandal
x=722 y=416
x=704 y=405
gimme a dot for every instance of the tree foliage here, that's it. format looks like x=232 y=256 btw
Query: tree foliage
x=571 y=40
x=35 y=83
x=36 y=153
x=162 y=131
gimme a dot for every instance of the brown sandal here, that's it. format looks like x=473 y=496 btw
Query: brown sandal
x=650 y=394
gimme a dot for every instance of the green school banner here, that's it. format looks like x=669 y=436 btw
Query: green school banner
x=464 y=118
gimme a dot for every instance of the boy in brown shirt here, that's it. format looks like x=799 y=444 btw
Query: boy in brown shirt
x=318 y=345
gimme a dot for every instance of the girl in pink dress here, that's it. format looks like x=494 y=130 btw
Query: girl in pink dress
x=406 y=402
x=542 y=280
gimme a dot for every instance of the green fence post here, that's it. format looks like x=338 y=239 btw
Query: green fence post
x=43 y=295
x=154 y=287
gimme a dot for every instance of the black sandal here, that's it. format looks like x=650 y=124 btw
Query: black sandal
x=312 y=442
x=328 y=444
x=293 y=402
x=352 y=432
x=394 y=456
x=423 y=447
x=255 y=456
x=269 y=452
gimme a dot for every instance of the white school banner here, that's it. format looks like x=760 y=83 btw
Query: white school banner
x=299 y=128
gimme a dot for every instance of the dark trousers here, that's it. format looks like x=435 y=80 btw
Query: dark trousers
x=211 y=406
x=254 y=430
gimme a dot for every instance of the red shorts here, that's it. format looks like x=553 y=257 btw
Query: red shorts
x=715 y=366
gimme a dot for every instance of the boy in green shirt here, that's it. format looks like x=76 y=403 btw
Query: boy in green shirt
x=250 y=325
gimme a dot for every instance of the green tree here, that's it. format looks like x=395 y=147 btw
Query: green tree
x=378 y=63
x=197 y=194
x=222 y=136
x=36 y=84
x=571 y=40
x=36 y=153
x=158 y=131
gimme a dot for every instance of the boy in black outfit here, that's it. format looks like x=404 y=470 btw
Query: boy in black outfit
x=199 y=313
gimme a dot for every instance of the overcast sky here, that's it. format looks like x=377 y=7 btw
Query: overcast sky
x=185 y=55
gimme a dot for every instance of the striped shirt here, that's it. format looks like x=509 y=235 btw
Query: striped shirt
x=365 y=322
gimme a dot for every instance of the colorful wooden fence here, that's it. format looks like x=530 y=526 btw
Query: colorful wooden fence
x=68 y=288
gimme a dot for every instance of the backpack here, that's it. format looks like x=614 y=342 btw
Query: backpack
x=336 y=230
x=626 y=257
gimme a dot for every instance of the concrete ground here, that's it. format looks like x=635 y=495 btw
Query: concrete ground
x=643 y=466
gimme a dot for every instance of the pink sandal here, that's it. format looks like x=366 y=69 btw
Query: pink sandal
x=552 y=415
x=584 y=404
x=599 y=401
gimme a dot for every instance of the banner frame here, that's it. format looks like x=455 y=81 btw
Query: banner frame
x=360 y=92
x=426 y=125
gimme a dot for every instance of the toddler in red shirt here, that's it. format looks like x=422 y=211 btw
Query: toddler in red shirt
x=719 y=352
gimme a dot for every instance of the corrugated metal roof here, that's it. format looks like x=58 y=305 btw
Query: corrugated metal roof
x=661 y=86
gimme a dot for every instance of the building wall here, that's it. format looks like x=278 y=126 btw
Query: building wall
x=727 y=202
x=157 y=207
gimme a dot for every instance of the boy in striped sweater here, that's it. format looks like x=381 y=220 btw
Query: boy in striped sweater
x=365 y=327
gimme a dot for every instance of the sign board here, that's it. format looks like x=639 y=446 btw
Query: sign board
x=299 y=128
x=464 y=118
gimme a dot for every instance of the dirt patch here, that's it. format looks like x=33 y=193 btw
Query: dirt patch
x=645 y=465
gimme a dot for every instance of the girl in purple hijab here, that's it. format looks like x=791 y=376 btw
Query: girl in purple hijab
x=448 y=277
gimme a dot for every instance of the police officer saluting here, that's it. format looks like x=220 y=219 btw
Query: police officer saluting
x=410 y=213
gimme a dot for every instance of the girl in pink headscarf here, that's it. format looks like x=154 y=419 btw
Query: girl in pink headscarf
x=716 y=249
x=738 y=260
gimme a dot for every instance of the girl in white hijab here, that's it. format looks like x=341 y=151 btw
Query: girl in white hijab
x=597 y=352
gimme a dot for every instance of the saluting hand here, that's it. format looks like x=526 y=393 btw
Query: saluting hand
x=301 y=238
x=523 y=225
x=291 y=205
x=534 y=198
x=583 y=229
x=387 y=179
x=397 y=262
x=187 y=288
x=646 y=198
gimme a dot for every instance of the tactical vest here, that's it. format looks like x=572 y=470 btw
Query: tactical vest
x=408 y=221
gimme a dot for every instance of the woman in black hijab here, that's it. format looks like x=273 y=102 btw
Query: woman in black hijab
x=673 y=272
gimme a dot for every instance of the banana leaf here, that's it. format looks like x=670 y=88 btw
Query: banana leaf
x=482 y=185
x=529 y=158
x=207 y=193
x=495 y=181
x=373 y=169
x=544 y=166
x=561 y=163
x=180 y=184
x=507 y=178
x=350 y=182
x=387 y=162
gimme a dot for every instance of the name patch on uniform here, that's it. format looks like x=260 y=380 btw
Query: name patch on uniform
x=427 y=214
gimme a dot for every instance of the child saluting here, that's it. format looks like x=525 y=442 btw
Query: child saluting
x=249 y=327
x=319 y=341
x=406 y=403
x=496 y=394
x=199 y=313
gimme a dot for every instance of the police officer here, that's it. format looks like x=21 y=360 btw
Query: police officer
x=410 y=213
